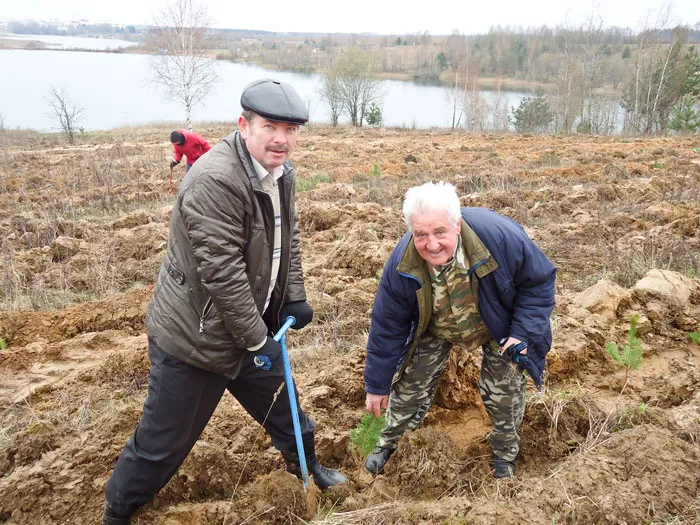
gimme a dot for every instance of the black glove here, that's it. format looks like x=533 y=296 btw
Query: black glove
x=174 y=163
x=523 y=361
x=300 y=310
x=267 y=354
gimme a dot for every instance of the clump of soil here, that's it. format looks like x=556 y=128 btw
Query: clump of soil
x=426 y=464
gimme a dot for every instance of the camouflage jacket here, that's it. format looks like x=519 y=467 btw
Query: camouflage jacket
x=515 y=295
x=455 y=316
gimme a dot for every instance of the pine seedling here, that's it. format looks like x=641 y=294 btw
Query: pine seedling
x=632 y=352
x=365 y=436
x=695 y=336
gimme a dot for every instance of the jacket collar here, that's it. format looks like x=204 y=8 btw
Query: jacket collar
x=480 y=260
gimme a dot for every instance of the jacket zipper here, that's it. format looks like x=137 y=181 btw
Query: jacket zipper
x=205 y=312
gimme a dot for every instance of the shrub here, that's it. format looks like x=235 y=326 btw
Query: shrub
x=533 y=114
x=317 y=178
x=374 y=115
x=303 y=185
x=307 y=185
x=629 y=417
x=685 y=118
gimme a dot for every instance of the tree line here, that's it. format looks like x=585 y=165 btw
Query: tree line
x=587 y=79
x=582 y=78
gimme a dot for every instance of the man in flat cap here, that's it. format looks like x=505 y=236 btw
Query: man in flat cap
x=232 y=274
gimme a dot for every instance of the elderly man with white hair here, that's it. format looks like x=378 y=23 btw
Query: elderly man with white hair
x=460 y=276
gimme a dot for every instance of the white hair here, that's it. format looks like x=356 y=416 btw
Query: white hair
x=432 y=196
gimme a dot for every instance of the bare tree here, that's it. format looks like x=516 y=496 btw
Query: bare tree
x=649 y=97
x=476 y=107
x=330 y=92
x=64 y=111
x=591 y=70
x=568 y=96
x=500 y=109
x=356 y=83
x=453 y=96
x=183 y=66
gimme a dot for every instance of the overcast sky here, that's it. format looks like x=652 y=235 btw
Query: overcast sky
x=376 y=16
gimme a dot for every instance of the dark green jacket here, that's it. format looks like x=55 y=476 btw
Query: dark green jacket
x=208 y=301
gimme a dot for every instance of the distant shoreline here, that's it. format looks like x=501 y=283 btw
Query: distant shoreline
x=485 y=83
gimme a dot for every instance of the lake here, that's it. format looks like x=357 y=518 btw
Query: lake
x=114 y=90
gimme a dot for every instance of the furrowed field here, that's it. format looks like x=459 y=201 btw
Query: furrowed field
x=83 y=230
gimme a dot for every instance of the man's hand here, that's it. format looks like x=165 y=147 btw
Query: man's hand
x=267 y=354
x=300 y=310
x=376 y=402
x=512 y=341
x=173 y=163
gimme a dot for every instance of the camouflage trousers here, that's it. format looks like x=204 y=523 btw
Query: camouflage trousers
x=501 y=385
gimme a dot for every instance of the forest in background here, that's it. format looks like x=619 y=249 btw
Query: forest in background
x=586 y=79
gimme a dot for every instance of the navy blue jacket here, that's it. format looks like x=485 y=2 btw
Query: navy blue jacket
x=515 y=295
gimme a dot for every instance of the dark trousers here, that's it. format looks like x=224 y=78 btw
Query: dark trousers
x=181 y=399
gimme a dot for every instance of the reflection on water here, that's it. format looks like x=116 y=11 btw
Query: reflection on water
x=73 y=42
x=114 y=90
x=427 y=81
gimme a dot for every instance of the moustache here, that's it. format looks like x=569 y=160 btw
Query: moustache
x=278 y=148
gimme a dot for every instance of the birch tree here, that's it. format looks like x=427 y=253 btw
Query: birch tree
x=330 y=92
x=182 y=65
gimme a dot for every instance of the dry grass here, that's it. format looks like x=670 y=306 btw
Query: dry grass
x=73 y=191
x=375 y=515
x=554 y=402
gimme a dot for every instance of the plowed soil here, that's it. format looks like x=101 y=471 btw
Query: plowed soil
x=83 y=229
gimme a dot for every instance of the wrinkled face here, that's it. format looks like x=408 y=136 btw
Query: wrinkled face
x=270 y=143
x=434 y=236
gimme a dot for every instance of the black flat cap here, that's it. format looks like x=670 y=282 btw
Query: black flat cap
x=274 y=100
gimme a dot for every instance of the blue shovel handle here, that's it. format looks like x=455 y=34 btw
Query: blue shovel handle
x=279 y=337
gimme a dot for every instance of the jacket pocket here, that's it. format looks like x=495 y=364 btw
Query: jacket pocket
x=207 y=314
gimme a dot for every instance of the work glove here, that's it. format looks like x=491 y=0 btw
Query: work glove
x=173 y=163
x=267 y=354
x=513 y=352
x=300 y=310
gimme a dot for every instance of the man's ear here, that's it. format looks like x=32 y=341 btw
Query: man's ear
x=243 y=126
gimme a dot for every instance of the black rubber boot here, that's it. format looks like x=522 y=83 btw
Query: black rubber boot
x=323 y=477
x=112 y=518
x=377 y=459
x=502 y=468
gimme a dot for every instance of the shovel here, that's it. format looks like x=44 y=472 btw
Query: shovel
x=279 y=337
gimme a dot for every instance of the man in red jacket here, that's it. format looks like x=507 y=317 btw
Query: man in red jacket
x=187 y=144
